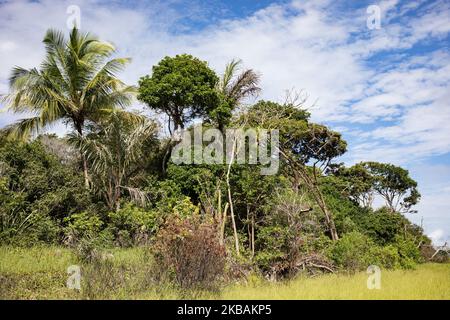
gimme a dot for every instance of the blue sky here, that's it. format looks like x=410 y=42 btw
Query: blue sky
x=387 y=90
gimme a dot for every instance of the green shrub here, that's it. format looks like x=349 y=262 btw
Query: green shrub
x=37 y=191
x=272 y=241
x=81 y=225
x=185 y=208
x=387 y=257
x=33 y=229
x=354 y=251
x=89 y=247
x=381 y=225
x=133 y=225
x=408 y=251
x=291 y=234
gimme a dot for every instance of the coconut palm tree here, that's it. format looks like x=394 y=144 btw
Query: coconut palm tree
x=75 y=83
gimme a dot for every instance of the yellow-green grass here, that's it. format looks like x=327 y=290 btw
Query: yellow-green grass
x=52 y=258
x=41 y=273
x=427 y=281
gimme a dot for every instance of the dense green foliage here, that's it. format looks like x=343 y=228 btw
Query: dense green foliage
x=183 y=87
x=38 y=193
x=313 y=215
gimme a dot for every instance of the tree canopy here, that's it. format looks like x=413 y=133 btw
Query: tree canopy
x=183 y=87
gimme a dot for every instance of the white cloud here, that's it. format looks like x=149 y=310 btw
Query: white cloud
x=437 y=236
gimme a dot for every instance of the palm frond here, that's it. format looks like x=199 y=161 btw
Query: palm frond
x=235 y=87
x=138 y=196
x=136 y=139
x=98 y=154
x=24 y=129
x=107 y=72
x=245 y=84
x=55 y=42
x=230 y=70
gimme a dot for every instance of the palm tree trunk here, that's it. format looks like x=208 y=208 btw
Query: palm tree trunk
x=79 y=128
x=85 y=171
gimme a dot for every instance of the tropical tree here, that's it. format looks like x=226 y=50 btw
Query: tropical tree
x=235 y=86
x=356 y=183
x=301 y=144
x=183 y=87
x=75 y=83
x=394 y=184
x=116 y=151
x=233 y=89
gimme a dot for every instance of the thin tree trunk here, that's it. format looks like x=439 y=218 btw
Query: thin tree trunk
x=253 y=235
x=85 y=171
x=233 y=222
x=439 y=249
x=230 y=200
x=249 y=233
x=328 y=215
x=219 y=209
x=222 y=227
x=79 y=128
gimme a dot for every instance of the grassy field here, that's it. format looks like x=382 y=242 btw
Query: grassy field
x=41 y=273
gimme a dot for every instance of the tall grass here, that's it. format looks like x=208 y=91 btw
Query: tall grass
x=428 y=281
x=41 y=273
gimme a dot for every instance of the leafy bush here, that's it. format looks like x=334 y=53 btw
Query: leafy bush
x=408 y=251
x=37 y=191
x=354 y=251
x=132 y=225
x=387 y=257
x=381 y=225
x=187 y=251
x=81 y=225
x=29 y=230
x=274 y=241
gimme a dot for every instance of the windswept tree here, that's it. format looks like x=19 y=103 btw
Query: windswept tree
x=356 y=183
x=116 y=151
x=182 y=87
x=395 y=185
x=75 y=83
x=302 y=144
